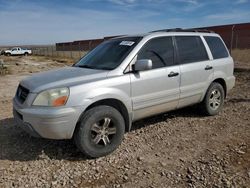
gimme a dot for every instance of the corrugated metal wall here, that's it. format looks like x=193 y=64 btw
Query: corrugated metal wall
x=81 y=45
x=235 y=35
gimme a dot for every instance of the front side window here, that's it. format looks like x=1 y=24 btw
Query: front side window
x=190 y=49
x=216 y=46
x=159 y=50
x=109 y=54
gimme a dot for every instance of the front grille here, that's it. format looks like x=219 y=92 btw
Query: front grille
x=22 y=93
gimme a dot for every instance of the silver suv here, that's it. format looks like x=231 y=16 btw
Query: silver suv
x=122 y=80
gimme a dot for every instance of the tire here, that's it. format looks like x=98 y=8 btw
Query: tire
x=90 y=135
x=214 y=99
x=25 y=54
x=8 y=54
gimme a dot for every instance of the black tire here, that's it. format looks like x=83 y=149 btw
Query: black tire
x=8 y=54
x=25 y=54
x=210 y=106
x=93 y=121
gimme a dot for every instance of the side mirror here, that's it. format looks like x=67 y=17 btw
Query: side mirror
x=142 y=65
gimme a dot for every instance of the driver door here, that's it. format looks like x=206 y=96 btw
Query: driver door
x=157 y=90
x=19 y=51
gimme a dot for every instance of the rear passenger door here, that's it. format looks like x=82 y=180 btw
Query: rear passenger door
x=195 y=67
x=156 y=90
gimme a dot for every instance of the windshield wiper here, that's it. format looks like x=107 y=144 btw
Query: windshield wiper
x=86 y=66
x=105 y=68
x=90 y=67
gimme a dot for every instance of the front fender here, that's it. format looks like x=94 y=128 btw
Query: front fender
x=114 y=88
x=107 y=93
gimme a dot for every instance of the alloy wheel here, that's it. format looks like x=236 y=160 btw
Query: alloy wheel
x=215 y=99
x=103 y=131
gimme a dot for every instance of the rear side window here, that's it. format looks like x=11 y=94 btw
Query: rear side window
x=216 y=46
x=190 y=49
x=159 y=50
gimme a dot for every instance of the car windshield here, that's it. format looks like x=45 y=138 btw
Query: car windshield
x=108 y=55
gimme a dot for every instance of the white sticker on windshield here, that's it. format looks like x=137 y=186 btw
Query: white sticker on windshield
x=127 y=43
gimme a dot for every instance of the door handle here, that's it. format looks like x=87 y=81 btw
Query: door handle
x=172 y=74
x=208 y=67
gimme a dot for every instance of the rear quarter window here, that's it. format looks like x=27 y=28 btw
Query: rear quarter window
x=217 y=47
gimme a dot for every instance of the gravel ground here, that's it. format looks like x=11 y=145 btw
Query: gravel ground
x=176 y=149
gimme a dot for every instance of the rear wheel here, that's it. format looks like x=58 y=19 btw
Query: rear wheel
x=8 y=54
x=214 y=99
x=25 y=54
x=100 y=131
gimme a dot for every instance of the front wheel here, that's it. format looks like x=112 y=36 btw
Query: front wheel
x=100 y=131
x=214 y=99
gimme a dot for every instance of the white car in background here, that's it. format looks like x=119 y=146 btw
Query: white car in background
x=17 y=51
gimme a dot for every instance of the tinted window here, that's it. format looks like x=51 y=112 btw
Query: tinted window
x=190 y=49
x=109 y=54
x=216 y=46
x=159 y=50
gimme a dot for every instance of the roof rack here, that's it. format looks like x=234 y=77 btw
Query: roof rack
x=183 y=30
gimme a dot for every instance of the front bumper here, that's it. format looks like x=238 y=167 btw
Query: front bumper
x=47 y=122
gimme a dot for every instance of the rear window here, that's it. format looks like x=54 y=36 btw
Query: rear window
x=191 y=49
x=217 y=47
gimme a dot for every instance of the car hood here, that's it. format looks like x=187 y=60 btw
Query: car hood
x=63 y=77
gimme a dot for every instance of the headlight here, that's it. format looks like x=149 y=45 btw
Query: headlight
x=52 y=97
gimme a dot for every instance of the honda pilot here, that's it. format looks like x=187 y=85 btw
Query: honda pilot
x=123 y=80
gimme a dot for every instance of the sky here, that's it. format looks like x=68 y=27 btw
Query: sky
x=50 y=21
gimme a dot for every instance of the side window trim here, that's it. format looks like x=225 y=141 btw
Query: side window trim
x=209 y=53
x=177 y=57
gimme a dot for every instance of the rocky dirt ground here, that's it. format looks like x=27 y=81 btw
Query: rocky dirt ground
x=175 y=149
